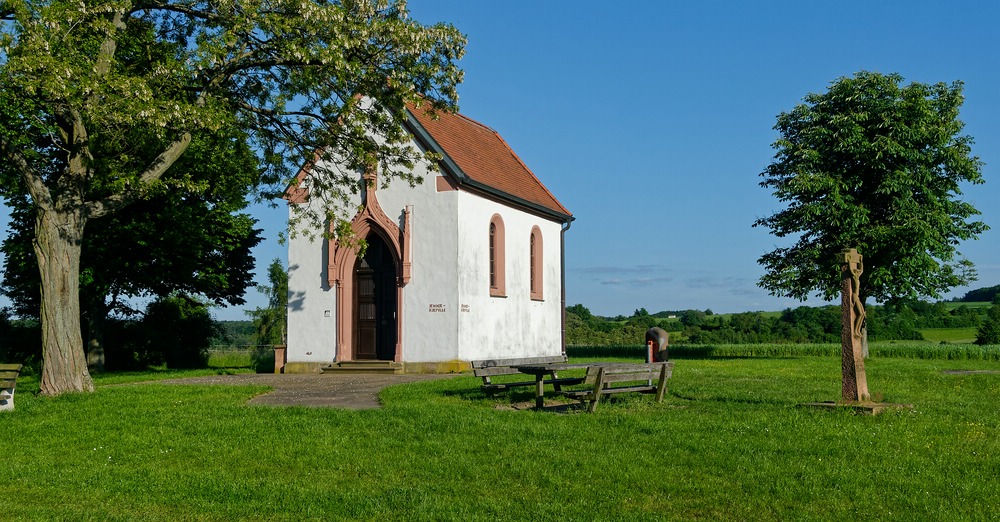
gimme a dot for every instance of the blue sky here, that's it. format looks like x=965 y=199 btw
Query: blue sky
x=651 y=122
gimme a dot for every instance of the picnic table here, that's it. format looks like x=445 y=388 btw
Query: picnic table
x=602 y=376
x=541 y=370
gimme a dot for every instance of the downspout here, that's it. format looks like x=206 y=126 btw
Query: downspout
x=562 y=276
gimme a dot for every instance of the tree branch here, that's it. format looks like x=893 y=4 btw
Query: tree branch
x=108 y=46
x=36 y=185
x=155 y=171
x=176 y=8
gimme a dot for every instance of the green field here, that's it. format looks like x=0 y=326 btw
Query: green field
x=730 y=442
x=949 y=335
x=951 y=305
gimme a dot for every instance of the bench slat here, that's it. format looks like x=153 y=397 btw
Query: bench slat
x=494 y=367
x=644 y=375
x=504 y=385
x=646 y=388
x=493 y=363
x=8 y=381
x=599 y=378
x=494 y=370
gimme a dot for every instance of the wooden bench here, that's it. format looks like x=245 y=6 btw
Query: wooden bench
x=8 y=382
x=605 y=379
x=487 y=369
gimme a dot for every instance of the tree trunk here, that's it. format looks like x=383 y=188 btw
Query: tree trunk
x=58 y=240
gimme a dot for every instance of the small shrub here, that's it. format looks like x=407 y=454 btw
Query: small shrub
x=21 y=342
x=181 y=329
x=262 y=358
x=989 y=331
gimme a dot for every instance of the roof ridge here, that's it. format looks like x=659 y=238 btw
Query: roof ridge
x=470 y=120
x=480 y=153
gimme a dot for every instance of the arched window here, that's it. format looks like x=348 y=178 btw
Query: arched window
x=498 y=287
x=535 y=263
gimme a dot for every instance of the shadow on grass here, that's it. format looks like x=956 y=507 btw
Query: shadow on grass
x=735 y=400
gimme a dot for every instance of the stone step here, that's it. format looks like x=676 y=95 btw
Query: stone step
x=370 y=367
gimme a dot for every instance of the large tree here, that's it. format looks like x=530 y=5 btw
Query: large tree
x=196 y=243
x=99 y=99
x=878 y=166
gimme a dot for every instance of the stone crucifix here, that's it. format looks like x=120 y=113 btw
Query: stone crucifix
x=855 y=383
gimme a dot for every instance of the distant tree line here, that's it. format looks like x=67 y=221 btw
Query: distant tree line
x=804 y=324
x=981 y=295
x=174 y=331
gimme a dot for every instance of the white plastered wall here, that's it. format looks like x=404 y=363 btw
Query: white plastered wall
x=430 y=299
x=312 y=304
x=429 y=306
x=515 y=325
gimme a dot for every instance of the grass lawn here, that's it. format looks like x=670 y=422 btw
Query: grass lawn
x=728 y=443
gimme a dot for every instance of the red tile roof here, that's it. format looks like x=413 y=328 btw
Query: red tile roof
x=486 y=159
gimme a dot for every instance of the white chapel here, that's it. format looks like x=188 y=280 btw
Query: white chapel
x=465 y=266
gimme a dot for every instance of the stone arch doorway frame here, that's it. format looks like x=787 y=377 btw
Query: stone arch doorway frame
x=340 y=271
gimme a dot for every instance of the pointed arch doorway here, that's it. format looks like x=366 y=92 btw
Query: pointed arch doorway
x=369 y=319
x=375 y=302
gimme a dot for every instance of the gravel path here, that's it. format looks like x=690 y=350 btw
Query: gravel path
x=353 y=391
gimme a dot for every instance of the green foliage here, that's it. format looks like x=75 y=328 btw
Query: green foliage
x=235 y=361
x=195 y=242
x=174 y=331
x=584 y=327
x=874 y=165
x=693 y=318
x=234 y=334
x=19 y=342
x=895 y=349
x=989 y=332
x=987 y=294
x=580 y=311
x=902 y=320
x=949 y=335
x=270 y=323
x=180 y=329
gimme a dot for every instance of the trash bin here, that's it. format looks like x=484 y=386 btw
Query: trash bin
x=279 y=358
x=656 y=344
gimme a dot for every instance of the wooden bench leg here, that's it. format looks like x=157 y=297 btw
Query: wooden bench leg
x=661 y=388
x=555 y=385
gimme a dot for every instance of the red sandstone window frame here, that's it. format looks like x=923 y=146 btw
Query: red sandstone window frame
x=497 y=247
x=535 y=263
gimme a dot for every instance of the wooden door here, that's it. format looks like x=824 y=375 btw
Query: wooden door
x=364 y=347
x=375 y=302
